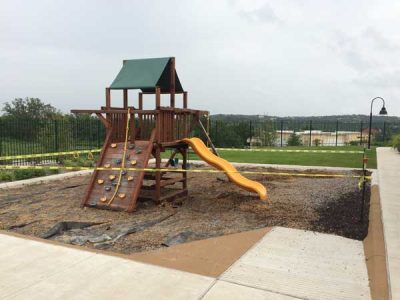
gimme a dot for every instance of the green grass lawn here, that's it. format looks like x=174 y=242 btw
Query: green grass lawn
x=351 y=160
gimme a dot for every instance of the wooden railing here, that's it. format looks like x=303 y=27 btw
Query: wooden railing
x=171 y=124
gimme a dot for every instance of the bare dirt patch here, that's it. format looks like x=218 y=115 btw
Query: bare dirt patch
x=214 y=207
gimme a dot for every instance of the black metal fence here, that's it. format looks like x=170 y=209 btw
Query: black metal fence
x=18 y=136
x=295 y=133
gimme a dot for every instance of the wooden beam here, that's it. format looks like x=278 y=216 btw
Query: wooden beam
x=114 y=111
x=103 y=120
x=121 y=110
x=112 y=108
x=152 y=93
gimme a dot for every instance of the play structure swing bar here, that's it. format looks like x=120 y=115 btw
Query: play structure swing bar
x=208 y=138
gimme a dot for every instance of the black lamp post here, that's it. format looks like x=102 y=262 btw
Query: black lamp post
x=383 y=111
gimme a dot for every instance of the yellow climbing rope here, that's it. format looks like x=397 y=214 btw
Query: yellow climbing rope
x=123 y=157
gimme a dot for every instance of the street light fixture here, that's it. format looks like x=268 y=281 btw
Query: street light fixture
x=383 y=111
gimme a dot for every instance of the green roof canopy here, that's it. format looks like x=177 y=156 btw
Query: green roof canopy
x=146 y=74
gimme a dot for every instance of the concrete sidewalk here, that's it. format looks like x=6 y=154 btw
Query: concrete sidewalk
x=283 y=264
x=389 y=187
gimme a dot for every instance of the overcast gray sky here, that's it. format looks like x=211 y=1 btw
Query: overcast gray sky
x=281 y=57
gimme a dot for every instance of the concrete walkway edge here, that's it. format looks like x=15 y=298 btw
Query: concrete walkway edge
x=389 y=189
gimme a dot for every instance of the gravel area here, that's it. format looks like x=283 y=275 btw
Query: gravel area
x=214 y=207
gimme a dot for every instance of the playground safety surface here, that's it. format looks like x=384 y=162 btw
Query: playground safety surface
x=213 y=208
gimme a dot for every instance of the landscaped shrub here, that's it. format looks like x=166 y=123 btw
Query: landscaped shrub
x=396 y=142
x=26 y=174
x=78 y=162
x=6 y=176
x=354 y=143
x=53 y=172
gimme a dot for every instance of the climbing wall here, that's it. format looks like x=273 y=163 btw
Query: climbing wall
x=104 y=182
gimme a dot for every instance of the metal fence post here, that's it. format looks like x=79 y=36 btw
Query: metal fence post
x=361 y=133
x=310 y=144
x=216 y=130
x=250 y=127
x=281 y=133
x=56 y=135
x=337 y=128
x=98 y=134
x=384 y=132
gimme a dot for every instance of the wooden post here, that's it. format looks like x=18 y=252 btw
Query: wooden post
x=158 y=97
x=157 y=194
x=132 y=125
x=185 y=94
x=125 y=98
x=184 y=166
x=172 y=83
x=159 y=115
x=108 y=98
x=140 y=129
x=108 y=105
x=140 y=101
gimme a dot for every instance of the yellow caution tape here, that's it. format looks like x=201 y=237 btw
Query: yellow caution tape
x=39 y=155
x=294 y=150
x=362 y=180
x=90 y=152
x=12 y=167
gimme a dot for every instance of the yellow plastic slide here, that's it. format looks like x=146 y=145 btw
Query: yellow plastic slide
x=205 y=154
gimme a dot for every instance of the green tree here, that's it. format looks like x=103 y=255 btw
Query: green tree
x=268 y=134
x=30 y=108
x=294 y=140
x=396 y=142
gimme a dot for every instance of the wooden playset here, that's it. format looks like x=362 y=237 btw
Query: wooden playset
x=134 y=135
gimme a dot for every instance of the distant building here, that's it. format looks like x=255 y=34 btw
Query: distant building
x=319 y=138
